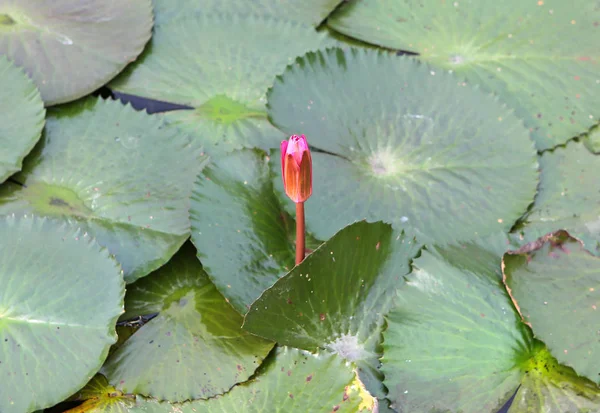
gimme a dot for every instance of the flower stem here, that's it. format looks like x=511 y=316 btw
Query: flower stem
x=300 y=249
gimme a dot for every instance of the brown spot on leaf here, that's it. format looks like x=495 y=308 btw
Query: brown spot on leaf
x=309 y=377
x=322 y=317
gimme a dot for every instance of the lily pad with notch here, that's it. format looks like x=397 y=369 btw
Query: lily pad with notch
x=71 y=48
x=539 y=57
x=226 y=81
x=60 y=298
x=120 y=175
x=194 y=348
x=21 y=117
x=454 y=329
x=399 y=141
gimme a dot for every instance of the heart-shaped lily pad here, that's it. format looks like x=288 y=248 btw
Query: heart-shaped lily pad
x=71 y=48
x=225 y=80
x=290 y=381
x=556 y=286
x=244 y=238
x=310 y=12
x=119 y=174
x=405 y=144
x=337 y=297
x=568 y=197
x=21 y=117
x=532 y=54
x=61 y=295
x=194 y=348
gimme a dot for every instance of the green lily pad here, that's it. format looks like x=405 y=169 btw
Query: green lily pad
x=311 y=12
x=453 y=330
x=405 y=144
x=71 y=48
x=292 y=381
x=118 y=174
x=592 y=140
x=539 y=57
x=61 y=295
x=556 y=286
x=337 y=297
x=225 y=80
x=22 y=117
x=239 y=227
x=194 y=348
x=568 y=197
x=99 y=396
x=548 y=387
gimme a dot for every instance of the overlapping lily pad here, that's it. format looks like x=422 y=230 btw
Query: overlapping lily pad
x=337 y=297
x=22 y=117
x=225 y=79
x=454 y=330
x=71 y=48
x=239 y=227
x=404 y=143
x=118 y=174
x=311 y=12
x=194 y=348
x=291 y=381
x=592 y=140
x=557 y=288
x=540 y=57
x=61 y=295
x=99 y=396
x=568 y=197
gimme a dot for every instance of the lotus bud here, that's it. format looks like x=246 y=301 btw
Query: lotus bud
x=296 y=168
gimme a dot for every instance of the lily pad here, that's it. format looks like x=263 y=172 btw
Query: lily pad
x=556 y=286
x=118 y=174
x=194 y=348
x=337 y=297
x=311 y=12
x=568 y=197
x=21 y=117
x=453 y=329
x=532 y=54
x=548 y=387
x=99 y=396
x=71 y=48
x=61 y=295
x=403 y=143
x=226 y=80
x=239 y=227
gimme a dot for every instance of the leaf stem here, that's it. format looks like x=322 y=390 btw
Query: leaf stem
x=300 y=249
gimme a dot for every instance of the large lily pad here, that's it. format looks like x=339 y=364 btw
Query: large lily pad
x=454 y=330
x=311 y=12
x=239 y=227
x=557 y=287
x=337 y=297
x=539 y=57
x=118 y=174
x=21 y=117
x=194 y=348
x=225 y=80
x=71 y=48
x=405 y=144
x=61 y=295
x=568 y=196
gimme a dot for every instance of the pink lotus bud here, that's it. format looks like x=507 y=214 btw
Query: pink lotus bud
x=296 y=168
